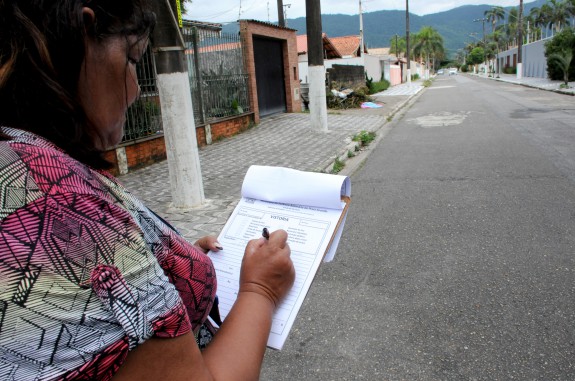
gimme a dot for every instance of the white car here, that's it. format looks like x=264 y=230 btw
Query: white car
x=452 y=71
x=440 y=72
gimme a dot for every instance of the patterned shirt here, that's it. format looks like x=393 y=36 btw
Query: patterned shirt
x=87 y=272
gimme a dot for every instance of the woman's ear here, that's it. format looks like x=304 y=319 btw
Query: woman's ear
x=89 y=18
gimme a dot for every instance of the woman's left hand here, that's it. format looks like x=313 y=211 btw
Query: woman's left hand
x=208 y=243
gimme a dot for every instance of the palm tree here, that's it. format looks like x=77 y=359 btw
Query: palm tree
x=429 y=45
x=512 y=27
x=538 y=17
x=563 y=60
x=494 y=15
x=556 y=13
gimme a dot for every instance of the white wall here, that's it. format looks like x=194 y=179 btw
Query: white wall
x=534 y=61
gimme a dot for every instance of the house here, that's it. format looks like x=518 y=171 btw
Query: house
x=348 y=46
x=234 y=80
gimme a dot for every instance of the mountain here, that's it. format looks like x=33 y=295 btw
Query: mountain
x=379 y=27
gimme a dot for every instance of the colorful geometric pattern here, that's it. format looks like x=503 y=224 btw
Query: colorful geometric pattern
x=86 y=271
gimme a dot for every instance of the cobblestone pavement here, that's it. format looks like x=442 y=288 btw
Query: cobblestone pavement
x=282 y=140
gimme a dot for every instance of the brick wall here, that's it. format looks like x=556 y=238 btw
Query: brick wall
x=251 y=28
x=225 y=128
x=149 y=151
x=139 y=154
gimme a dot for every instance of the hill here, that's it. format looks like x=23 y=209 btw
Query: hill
x=379 y=27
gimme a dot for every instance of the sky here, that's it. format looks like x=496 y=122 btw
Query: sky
x=225 y=11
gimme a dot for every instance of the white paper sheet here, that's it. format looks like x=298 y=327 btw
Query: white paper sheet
x=290 y=196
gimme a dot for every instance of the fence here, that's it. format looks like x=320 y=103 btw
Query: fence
x=218 y=82
x=218 y=79
x=144 y=116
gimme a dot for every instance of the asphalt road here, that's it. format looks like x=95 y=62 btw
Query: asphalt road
x=457 y=259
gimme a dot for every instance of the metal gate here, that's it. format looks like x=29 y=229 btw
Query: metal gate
x=268 y=59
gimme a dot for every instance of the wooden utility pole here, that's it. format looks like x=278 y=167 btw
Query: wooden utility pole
x=281 y=20
x=316 y=68
x=177 y=113
x=520 y=42
x=407 y=55
x=360 y=30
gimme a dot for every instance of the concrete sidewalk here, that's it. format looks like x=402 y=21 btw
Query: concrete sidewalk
x=280 y=140
x=538 y=83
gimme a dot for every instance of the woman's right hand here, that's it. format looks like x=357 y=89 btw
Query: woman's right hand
x=267 y=268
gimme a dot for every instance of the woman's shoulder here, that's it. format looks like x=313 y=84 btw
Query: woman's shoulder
x=48 y=168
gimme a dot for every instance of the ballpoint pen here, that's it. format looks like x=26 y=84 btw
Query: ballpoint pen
x=266 y=233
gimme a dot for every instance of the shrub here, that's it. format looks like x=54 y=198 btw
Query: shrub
x=510 y=70
x=364 y=137
x=414 y=77
x=376 y=87
x=562 y=41
x=463 y=68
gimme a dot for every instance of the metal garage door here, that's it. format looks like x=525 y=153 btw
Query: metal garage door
x=268 y=59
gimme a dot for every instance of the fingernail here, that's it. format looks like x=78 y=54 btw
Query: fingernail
x=219 y=246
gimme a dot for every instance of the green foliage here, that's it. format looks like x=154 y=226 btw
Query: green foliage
x=364 y=137
x=476 y=56
x=414 y=77
x=337 y=165
x=368 y=81
x=376 y=87
x=464 y=68
x=560 y=45
x=350 y=153
x=427 y=83
x=510 y=70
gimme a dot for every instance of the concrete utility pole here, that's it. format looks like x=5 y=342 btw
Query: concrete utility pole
x=316 y=68
x=177 y=113
x=281 y=20
x=520 y=42
x=407 y=42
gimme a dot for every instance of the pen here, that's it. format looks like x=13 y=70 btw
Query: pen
x=266 y=233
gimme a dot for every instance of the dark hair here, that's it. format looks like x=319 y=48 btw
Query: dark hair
x=42 y=48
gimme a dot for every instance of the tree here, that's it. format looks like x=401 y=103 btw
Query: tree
x=476 y=56
x=397 y=45
x=429 y=44
x=494 y=15
x=556 y=13
x=561 y=43
x=563 y=62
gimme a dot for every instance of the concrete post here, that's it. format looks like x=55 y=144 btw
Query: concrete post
x=316 y=67
x=177 y=112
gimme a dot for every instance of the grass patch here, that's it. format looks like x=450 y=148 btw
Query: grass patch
x=364 y=137
x=337 y=165
x=350 y=154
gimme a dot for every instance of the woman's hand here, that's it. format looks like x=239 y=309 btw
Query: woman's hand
x=208 y=243
x=267 y=268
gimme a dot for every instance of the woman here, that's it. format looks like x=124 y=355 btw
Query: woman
x=93 y=285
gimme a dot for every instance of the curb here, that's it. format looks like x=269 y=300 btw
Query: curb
x=351 y=164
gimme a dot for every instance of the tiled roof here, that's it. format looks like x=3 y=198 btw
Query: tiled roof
x=379 y=51
x=346 y=45
x=328 y=47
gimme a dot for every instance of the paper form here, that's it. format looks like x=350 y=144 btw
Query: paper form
x=308 y=206
x=309 y=231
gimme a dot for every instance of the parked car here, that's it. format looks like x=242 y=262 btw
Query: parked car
x=440 y=72
x=452 y=71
